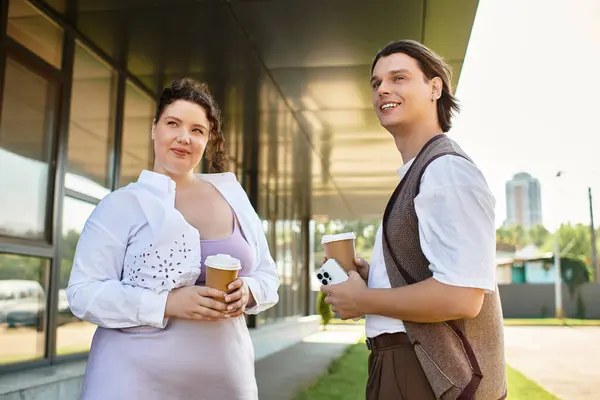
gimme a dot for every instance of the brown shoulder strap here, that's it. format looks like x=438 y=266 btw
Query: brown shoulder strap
x=405 y=275
x=469 y=391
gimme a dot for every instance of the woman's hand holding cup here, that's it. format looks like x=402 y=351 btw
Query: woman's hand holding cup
x=238 y=298
x=196 y=303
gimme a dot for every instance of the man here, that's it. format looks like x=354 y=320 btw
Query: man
x=433 y=314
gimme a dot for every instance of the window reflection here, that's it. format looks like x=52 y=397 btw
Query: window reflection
x=73 y=335
x=269 y=227
x=233 y=114
x=58 y=5
x=28 y=110
x=22 y=307
x=137 y=126
x=90 y=127
x=35 y=31
x=102 y=22
x=281 y=196
x=146 y=43
x=298 y=262
x=84 y=185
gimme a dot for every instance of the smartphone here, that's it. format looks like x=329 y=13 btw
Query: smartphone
x=331 y=273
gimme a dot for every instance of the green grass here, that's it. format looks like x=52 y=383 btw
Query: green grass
x=521 y=388
x=346 y=379
x=509 y=322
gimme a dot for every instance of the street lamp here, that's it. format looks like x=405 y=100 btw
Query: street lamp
x=558 y=311
x=557 y=252
x=557 y=279
x=595 y=266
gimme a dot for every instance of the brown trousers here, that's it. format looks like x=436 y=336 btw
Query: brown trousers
x=394 y=370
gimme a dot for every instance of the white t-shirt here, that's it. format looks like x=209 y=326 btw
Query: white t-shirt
x=455 y=210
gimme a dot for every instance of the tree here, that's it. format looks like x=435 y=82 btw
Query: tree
x=27 y=268
x=513 y=235
x=67 y=250
x=504 y=235
x=538 y=235
x=13 y=266
x=574 y=241
x=574 y=273
x=324 y=310
x=365 y=231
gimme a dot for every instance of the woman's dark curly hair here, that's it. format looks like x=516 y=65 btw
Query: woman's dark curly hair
x=191 y=90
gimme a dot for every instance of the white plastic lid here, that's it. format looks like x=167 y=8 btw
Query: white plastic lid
x=339 y=236
x=223 y=261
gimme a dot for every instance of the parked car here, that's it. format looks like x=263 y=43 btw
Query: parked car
x=22 y=302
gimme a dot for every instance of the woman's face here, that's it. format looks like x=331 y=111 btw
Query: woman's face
x=180 y=137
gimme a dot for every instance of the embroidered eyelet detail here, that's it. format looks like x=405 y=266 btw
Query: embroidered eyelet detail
x=166 y=267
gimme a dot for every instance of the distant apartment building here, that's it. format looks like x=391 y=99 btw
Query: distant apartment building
x=523 y=201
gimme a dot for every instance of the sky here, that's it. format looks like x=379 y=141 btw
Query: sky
x=530 y=94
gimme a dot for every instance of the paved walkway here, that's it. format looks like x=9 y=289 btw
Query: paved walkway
x=282 y=374
x=563 y=360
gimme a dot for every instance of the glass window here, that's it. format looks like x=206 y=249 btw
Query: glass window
x=92 y=122
x=73 y=335
x=58 y=5
x=102 y=23
x=27 y=121
x=233 y=115
x=35 y=31
x=137 y=126
x=22 y=307
x=269 y=227
x=299 y=273
x=146 y=44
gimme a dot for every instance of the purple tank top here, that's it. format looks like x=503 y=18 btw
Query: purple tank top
x=235 y=245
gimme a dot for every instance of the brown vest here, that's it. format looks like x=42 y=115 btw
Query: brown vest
x=463 y=359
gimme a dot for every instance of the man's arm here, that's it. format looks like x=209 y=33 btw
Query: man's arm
x=427 y=301
x=457 y=234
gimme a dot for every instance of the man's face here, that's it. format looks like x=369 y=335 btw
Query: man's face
x=401 y=92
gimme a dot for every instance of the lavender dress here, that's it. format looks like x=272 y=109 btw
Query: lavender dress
x=188 y=360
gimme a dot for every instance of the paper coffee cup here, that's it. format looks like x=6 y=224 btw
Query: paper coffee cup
x=221 y=270
x=341 y=248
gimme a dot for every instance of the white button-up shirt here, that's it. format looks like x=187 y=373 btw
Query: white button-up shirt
x=136 y=247
x=455 y=210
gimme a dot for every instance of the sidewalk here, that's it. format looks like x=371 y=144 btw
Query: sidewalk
x=563 y=360
x=280 y=375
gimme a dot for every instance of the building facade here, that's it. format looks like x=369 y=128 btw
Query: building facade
x=78 y=91
x=79 y=80
x=523 y=201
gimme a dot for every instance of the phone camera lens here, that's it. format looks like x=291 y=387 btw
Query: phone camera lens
x=319 y=276
x=326 y=274
x=324 y=281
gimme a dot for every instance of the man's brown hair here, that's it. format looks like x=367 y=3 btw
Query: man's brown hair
x=432 y=65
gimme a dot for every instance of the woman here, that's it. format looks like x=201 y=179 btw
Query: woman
x=139 y=270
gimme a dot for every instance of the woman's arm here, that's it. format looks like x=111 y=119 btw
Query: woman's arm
x=263 y=282
x=95 y=292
